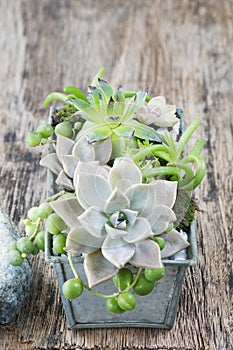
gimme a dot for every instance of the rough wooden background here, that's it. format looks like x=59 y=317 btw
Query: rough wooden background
x=181 y=49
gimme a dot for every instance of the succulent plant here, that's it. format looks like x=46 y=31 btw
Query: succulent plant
x=114 y=222
x=156 y=112
x=69 y=153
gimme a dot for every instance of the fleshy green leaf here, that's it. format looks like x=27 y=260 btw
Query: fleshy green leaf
x=89 y=113
x=124 y=131
x=106 y=88
x=99 y=74
x=98 y=133
x=119 y=96
x=135 y=104
x=55 y=96
x=143 y=131
x=118 y=108
x=112 y=121
x=76 y=92
x=95 y=93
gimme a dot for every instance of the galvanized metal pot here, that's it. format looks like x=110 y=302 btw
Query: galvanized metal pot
x=157 y=310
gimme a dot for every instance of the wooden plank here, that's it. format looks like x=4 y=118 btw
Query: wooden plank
x=180 y=49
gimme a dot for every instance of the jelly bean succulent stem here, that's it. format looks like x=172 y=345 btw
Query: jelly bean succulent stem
x=55 y=196
x=152 y=150
x=72 y=265
x=33 y=236
x=186 y=136
x=95 y=292
x=160 y=171
x=198 y=147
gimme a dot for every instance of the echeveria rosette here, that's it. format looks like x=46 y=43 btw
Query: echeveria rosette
x=108 y=114
x=156 y=112
x=69 y=153
x=114 y=217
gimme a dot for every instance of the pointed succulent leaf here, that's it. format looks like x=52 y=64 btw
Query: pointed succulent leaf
x=69 y=165
x=92 y=190
x=145 y=197
x=165 y=192
x=118 y=108
x=125 y=130
x=134 y=104
x=103 y=150
x=90 y=168
x=93 y=220
x=116 y=220
x=79 y=241
x=131 y=215
x=110 y=106
x=139 y=231
x=124 y=174
x=64 y=181
x=98 y=133
x=68 y=209
x=76 y=92
x=64 y=146
x=116 y=201
x=174 y=242
x=119 y=96
x=89 y=113
x=83 y=150
x=51 y=162
x=112 y=121
x=95 y=97
x=141 y=97
x=98 y=269
x=147 y=254
x=161 y=218
x=142 y=199
x=98 y=75
x=114 y=232
x=117 y=251
x=144 y=132
x=106 y=89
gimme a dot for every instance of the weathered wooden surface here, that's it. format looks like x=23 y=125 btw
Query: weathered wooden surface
x=181 y=49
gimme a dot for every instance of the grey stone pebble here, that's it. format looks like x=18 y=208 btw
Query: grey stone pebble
x=14 y=280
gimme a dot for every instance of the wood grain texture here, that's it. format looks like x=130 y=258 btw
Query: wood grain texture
x=180 y=49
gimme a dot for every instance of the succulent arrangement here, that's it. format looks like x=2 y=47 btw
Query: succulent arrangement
x=123 y=189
